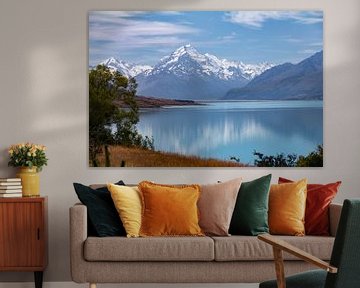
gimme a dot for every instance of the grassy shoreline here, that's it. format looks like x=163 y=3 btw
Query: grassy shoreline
x=137 y=157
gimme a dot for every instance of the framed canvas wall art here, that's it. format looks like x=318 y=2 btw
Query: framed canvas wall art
x=205 y=88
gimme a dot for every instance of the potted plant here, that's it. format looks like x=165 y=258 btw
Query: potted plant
x=30 y=158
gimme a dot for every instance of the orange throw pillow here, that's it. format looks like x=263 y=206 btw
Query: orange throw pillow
x=287 y=204
x=319 y=197
x=169 y=210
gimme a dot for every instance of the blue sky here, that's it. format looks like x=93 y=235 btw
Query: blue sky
x=144 y=37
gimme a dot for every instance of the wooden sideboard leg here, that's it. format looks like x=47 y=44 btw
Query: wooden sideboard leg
x=38 y=279
x=92 y=285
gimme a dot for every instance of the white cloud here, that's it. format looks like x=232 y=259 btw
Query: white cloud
x=108 y=15
x=316 y=44
x=114 y=33
x=123 y=28
x=256 y=19
x=308 y=51
x=171 y=12
x=229 y=37
x=293 y=40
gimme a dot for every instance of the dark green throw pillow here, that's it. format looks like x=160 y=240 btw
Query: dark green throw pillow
x=103 y=218
x=250 y=216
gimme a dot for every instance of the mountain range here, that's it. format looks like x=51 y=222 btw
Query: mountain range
x=287 y=81
x=126 y=69
x=188 y=74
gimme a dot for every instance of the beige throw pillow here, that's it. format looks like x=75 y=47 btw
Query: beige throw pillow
x=216 y=206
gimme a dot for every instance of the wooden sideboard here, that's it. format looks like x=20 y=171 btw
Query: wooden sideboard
x=23 y=235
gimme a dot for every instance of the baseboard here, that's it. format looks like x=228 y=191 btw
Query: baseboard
x=74 y=285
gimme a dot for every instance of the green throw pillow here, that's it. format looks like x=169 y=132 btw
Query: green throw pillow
x=250 y=215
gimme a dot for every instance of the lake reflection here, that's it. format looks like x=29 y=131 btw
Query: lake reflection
x=224 y=129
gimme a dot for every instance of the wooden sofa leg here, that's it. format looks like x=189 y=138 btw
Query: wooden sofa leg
x=92 y=285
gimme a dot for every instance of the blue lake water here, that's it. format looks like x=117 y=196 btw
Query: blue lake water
x=235 y=128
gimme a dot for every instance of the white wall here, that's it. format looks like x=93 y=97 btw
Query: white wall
x=43 y=88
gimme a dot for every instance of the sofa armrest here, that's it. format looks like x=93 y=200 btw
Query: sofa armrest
x=78 y=235
x=334 y=217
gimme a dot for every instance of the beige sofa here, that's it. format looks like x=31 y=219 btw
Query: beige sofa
x=234 y=259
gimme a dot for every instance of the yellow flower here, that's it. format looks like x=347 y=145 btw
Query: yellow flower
x=41 y=147
x=27 y=151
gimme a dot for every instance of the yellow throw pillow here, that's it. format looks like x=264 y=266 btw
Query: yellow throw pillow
x=287 y=204
x=127 y=201
x=169 y=210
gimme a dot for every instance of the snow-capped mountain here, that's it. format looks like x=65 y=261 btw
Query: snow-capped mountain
x=303 y=80
x=188 y=74
x=187 y=60
x=127 y=69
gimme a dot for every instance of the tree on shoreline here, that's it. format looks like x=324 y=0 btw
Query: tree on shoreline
x=105 y=87
x=313 y=159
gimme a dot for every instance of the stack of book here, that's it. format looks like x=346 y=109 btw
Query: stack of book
x=10 y=187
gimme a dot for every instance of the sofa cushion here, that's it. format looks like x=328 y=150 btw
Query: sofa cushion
x=250 y=215
x=287 y=204
x=149 y=249
x=318 y=199
x=216 y=205
x=127 y=201
x=102 y=216
x=169 y=210
x=244 y=248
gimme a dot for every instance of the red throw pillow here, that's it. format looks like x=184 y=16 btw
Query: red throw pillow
x=319 y=197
